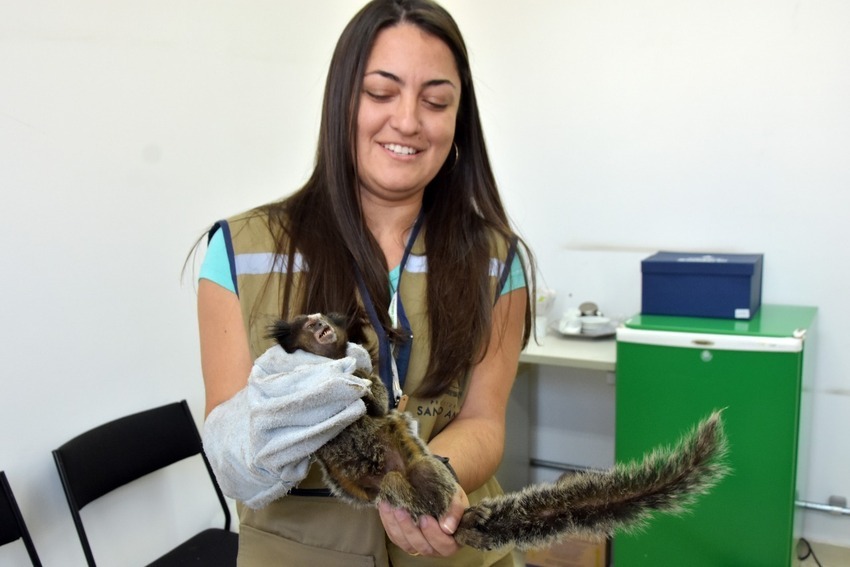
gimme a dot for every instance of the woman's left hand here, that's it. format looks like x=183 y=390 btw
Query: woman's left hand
x=429 y=536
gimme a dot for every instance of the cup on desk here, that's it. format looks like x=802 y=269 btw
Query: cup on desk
x=570 y=323
x=545 y=300
x=595 y=325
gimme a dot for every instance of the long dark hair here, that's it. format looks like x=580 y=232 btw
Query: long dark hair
x=323 y=220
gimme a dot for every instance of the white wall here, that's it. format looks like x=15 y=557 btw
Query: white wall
x=616 y=129
x=621 y=128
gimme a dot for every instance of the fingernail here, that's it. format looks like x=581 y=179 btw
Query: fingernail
x=449 y=525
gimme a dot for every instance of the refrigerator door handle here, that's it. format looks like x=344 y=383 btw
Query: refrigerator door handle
x=706 y=340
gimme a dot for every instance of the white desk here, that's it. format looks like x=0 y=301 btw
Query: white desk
x=555 y=350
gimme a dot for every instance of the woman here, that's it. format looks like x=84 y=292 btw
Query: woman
x=402 y=186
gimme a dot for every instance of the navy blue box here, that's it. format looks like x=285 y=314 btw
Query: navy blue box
x=726 y=286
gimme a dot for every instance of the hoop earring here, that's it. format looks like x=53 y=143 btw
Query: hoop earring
x=457 y=156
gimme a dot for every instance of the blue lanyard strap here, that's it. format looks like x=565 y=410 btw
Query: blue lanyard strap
x=384 y=352
x=385 y=348
x=403 y=350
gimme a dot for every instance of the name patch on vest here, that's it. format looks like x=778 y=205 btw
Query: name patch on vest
x=444 y=408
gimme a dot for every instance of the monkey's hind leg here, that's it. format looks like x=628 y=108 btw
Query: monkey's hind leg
x=425 y=488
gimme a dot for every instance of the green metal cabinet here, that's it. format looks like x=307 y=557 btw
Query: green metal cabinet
x=673 y=371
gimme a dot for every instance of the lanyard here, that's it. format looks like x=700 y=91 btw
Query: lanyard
x=393 y=362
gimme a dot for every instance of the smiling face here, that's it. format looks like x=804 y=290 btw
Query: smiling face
x=408 y=108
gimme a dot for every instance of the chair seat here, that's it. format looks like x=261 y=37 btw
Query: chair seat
x=211 y=547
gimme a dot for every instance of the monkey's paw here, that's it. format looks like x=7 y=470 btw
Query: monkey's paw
x=473 y=529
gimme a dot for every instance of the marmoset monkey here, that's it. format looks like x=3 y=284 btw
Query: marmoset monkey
x=379 y=457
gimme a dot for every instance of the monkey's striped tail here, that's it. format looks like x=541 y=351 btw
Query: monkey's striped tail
x=595 y=504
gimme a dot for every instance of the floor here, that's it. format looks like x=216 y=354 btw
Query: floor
x=828 y=555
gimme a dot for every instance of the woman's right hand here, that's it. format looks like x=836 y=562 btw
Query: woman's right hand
x=430 y=536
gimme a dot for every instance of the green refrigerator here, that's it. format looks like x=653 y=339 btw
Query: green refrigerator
x=673 y=371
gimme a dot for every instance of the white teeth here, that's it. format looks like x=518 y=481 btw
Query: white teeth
x=403 y=150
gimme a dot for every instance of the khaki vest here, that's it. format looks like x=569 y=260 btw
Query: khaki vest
x=319 y=530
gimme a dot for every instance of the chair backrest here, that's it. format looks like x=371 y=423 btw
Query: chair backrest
x=12 y=525
x=121 y=451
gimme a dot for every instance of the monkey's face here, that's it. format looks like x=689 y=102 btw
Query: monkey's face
x=328 y=337
x=324 y=335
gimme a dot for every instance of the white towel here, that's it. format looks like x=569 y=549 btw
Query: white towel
x=260 y=441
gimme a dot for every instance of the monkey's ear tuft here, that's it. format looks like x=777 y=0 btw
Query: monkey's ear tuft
x=338 y=319
x=356 y=325
x=282 y=332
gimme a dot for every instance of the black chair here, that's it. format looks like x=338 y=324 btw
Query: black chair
x=12 y=526
x=121 y=451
